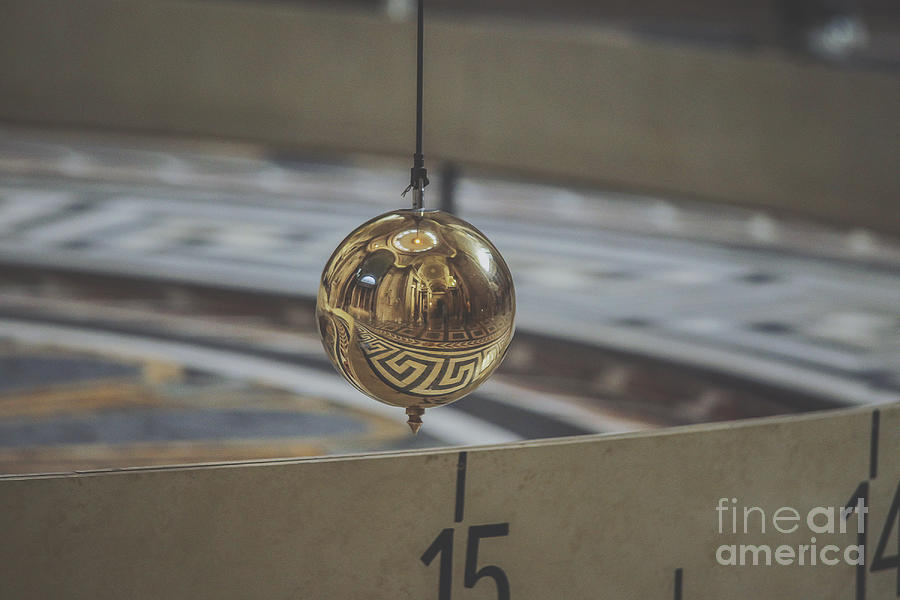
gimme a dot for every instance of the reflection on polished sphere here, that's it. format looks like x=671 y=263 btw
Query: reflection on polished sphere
x=416 y=309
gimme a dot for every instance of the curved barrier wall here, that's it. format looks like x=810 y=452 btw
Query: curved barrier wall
x=682 y=513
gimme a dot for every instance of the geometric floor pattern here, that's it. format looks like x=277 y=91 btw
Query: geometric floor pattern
x=803 y=306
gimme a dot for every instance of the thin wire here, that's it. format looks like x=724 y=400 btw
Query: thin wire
x=419 y=83
x=418 y=175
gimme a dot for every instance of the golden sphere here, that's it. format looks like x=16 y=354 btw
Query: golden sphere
x=416 y=309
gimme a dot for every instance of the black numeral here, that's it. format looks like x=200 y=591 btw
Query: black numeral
x=476 y=533
x=880 y=562
x=443 y=545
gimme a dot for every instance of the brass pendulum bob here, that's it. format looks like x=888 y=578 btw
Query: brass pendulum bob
x=416 y=309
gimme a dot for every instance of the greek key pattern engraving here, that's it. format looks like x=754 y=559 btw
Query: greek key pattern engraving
x=422 y=372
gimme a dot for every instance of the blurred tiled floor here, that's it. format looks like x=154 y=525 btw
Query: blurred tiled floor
x=766 y=299
x=737 y=290
x=71 y=410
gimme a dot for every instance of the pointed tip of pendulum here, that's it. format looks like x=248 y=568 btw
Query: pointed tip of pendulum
x=415 y=418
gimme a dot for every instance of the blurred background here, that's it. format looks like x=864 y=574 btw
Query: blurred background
x=697 y=200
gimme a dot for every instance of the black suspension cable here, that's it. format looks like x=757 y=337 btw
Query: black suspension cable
x=418 y=175
x=420 y=60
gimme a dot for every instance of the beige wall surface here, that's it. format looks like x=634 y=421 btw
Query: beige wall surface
x=577 y=518
x=570 y=103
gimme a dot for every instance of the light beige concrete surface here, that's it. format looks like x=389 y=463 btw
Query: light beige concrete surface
x=571 y=103
x=587 y=517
